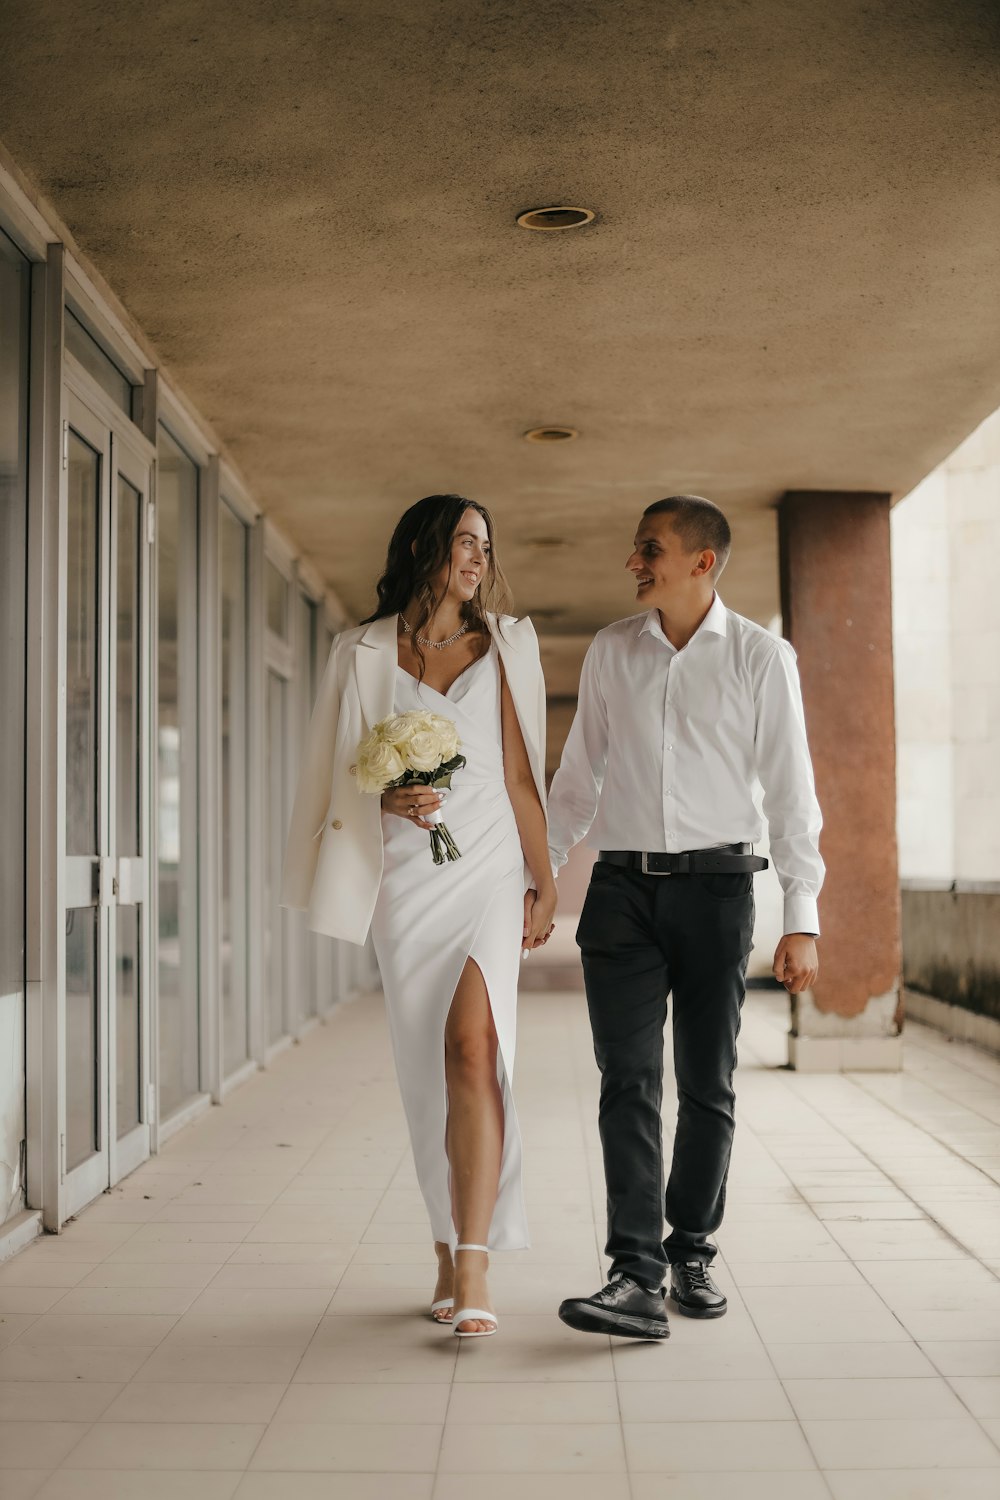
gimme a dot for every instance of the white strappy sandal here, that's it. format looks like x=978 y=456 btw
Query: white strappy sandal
x=483 y=1314
x=437 y=1307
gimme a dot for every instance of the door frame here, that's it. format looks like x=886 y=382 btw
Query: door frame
x=121 y=449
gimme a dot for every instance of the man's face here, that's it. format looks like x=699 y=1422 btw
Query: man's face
x=662 y=569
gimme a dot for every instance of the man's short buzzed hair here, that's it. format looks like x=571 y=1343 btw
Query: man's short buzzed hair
x=699 y=523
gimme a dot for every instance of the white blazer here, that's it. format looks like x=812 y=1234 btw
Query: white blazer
x=333 y=858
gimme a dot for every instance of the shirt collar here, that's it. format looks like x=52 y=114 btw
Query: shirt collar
x=714 y=623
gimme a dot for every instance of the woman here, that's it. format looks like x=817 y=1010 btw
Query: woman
x=448 y=938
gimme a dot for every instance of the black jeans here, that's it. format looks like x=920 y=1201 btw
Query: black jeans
x=643 y=937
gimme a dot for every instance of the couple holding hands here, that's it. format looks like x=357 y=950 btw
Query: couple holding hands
x=682 y=709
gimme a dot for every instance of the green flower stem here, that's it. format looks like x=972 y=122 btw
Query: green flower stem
x=443 y=846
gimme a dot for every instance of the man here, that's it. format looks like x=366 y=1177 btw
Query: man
x=681 y=708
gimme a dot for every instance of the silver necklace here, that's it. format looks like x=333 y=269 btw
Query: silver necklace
x=437 y=645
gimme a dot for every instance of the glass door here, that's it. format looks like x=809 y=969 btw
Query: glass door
x=105 y=1130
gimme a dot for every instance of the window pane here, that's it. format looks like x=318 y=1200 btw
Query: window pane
x=306 y=653
x=274 y=936
x=127 y=1018
x=129 y=653
x=85 y=348
x=82 y=1124
x=177 y=765
x=277 y=601
x=233 y=556
x=82 y=584
x=14 y=291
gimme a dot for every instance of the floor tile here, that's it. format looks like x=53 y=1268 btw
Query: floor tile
x=408 y=1448
x=949 y=1443
x=23 y=1484
x=23 y=1443
x=30 y=1269
x=579 y=1401
x=139 y=1484
x=123 y=1299
x=13 y=1325
x=305 y=1402
x=980 y=1394
x=761 y=1485
x=850 y=1361
x=261 y=1328
x=214 y=1401
x=702 y=1447
x=61 y=1401
x=253 y=1301
x=872 y=1398
x=28 y=1299
x=128 y=1274
x=168 y=1445
x=785 y=1315
x=532 y=1448
x=66 y=1363
x=118 y=1330
x=330 y=1486
x=692 y=1401
x=914 y=1484
x=233 y=1365
x=971 y=1357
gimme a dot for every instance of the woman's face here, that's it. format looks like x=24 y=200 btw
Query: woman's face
x=470 y=556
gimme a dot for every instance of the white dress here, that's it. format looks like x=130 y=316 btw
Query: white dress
x=430 y=919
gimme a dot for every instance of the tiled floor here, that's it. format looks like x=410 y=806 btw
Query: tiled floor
x=242 y=1317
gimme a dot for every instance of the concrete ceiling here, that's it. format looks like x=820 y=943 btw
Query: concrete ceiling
x=309 y=208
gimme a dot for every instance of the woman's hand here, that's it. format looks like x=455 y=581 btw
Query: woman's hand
x=412 y=803
x=539 y=909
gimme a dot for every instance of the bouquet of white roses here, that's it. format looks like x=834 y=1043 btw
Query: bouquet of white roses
x=413 y=749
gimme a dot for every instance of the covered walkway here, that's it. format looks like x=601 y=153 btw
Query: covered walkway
x=241 y=1316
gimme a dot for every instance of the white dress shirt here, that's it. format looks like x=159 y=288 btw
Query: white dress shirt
x=667 y=745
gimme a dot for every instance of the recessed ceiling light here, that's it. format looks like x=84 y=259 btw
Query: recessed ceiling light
x=560 y=216
x=551 y=434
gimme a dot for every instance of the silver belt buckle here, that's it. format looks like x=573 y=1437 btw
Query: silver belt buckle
x=647 y=871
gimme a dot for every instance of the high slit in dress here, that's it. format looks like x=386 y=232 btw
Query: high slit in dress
x=430 y=919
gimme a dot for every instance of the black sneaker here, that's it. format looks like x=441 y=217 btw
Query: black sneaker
x=694 y=1291
x=623 y=1308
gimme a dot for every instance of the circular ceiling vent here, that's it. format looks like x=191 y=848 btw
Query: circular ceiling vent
x=559 y=216
x=551 y=434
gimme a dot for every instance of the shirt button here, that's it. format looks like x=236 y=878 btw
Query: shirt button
x=336 y=824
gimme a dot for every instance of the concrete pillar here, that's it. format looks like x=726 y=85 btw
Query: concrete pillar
x=836 y=608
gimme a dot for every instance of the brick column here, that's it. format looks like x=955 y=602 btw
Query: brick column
x=836 y=608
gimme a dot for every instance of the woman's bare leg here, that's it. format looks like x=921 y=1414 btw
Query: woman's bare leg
x=474 y=1137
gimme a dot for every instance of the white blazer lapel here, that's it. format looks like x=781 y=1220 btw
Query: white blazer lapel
x=375 y=661
x=518 y=649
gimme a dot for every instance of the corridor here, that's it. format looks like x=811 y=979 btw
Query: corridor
x=242 y=1315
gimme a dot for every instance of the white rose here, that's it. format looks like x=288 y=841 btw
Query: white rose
x=449 y=740
x=378 y=764
x=447 y=735
x=423 y=753
x=396 y=730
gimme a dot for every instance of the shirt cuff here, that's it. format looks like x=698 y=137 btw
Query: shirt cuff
x=801 y=915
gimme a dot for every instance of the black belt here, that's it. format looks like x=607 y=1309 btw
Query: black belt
x=730 y=859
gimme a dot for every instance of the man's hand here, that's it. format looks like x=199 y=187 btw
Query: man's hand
x=539 y=909
x=796 y=962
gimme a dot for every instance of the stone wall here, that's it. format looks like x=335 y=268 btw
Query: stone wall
x=951 y=947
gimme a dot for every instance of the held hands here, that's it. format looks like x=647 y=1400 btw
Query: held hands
x=796 y=962
x=412 y=803
x=539 y=909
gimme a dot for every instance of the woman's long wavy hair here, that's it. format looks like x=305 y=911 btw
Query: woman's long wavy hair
x=419 y=548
